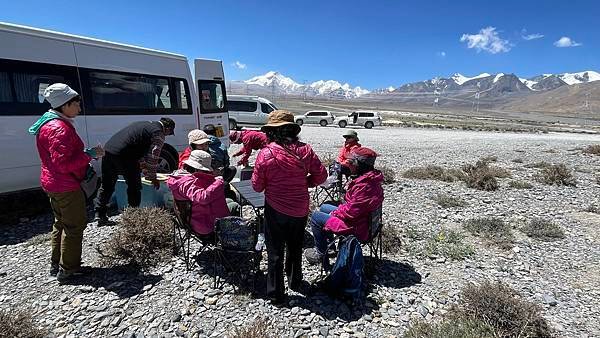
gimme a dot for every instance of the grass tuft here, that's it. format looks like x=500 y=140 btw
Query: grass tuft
x=447 y=201
x=19 y=324
x=557 y=174
x=543 y=229
x=494 y=230
x=520 y=184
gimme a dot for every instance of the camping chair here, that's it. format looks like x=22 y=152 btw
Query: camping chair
x=235 y=251
x=183 y=233
x=332 y=189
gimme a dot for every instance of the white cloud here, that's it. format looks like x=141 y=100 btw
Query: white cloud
x=239 y=65
x=529 y=37
x=566 y=41
x=487 y=40
x=441 y=54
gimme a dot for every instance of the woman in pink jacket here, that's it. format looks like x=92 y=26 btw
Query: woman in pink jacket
x=64 y=164
x=251 y=140
x=196 y=183
x=364 y=195
x=284 y=170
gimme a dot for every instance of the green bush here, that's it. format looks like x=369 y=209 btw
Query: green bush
x=18 y=323
x=543 y=229
x=494 y=230
x=144 y=238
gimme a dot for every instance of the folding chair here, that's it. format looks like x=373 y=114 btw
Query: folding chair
x=235 y=250
x=183 y=233
x=334 y=190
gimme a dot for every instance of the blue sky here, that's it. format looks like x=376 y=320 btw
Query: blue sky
x=372 y=43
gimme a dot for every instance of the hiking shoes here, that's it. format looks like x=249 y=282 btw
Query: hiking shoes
x=54 y=269
x=66 y=277
x=313 y=256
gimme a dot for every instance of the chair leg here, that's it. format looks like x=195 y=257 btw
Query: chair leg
x=187 y=252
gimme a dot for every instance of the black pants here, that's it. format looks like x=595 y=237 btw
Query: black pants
x=283 y=232
x=112 y=166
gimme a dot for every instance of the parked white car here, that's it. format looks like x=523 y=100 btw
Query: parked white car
x=246 y=110
x=321 y=117
x=367 y=119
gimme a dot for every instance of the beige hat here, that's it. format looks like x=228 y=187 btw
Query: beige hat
x=197 y=136
x=278 y=118
x=200 y=160
x=350 y=133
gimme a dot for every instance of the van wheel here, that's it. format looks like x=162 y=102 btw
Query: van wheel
x=342 y=124
x=323 y=123
x=167 y=162
x=232 y=125
x=299 y=122
x=369 y=125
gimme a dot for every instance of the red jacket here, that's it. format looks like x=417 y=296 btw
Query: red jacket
x=185 y=154
x=364 y=195
x=207 y=194
x=63 y=160
x=286 y=175
x=344 y=154
x=252 y=140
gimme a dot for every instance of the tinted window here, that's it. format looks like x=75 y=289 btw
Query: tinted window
x=242 y=106
x=265 y=108
x=365 y=114
x=22 y=85
x=109 y=93
x=212 y=96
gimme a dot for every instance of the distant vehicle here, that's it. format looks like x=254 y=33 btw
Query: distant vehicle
x=321 y=117
x=367 y=119
x=246 y=110
x=118 y=84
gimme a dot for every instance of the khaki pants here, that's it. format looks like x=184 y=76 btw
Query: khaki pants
x=70 y=219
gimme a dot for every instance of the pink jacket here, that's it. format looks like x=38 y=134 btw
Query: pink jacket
x=363 y=196
x=285 y=176
x=252 y=140
x=344 y=154
x=63 y=161
x=207 y=194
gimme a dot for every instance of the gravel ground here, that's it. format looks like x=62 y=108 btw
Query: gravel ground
x=563 y=277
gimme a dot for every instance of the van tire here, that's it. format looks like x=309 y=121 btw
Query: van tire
x=299 y=122
x=323 y=123
x=342 y=124
x=232 y=125
x=368 y=124
x=167 y=162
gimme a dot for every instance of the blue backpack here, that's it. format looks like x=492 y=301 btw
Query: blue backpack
x=346 y=276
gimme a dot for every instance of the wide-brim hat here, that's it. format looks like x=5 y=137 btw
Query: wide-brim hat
x=200 y=160
x=278 y=118
x=197 y=136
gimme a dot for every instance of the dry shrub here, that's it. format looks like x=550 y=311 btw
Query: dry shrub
x=442 y=243
x=494 y=230
x=502 y=308
x=15 y=323
x=480 y=176
x=451 y=328
x=543 y=229
x=389 y=175
x=557 y=174
x=520 y=185
x=433 y=172
x=489 y=159
x=592 y=149
x=447 y=201
x=391 y=238
x=143 y=239
x=538 y=165
x=260 y=328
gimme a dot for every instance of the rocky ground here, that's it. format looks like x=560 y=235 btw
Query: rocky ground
x=562 y=276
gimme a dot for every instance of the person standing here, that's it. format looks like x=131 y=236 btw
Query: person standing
x=251 y=140
x=130 y=150
x=64 y=165
x=284 y=170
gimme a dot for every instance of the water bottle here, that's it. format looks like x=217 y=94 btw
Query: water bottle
x=260 y=243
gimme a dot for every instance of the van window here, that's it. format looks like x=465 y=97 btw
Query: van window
x=212 y=96
x=181 y=94
x=22 y=85
x=365 y=114
x=266 y=108
x=242 y=106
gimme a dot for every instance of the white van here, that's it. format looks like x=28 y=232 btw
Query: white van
x=247 y=110
x=118 y=84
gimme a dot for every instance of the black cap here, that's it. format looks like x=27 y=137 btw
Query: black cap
x=210 y=129
x=168 y=123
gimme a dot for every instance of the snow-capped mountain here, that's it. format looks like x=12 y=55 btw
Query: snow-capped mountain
x=581 y=77
x=275 y=82
x=460 y=79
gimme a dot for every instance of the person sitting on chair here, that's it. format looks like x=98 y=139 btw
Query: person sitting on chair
x=343 y=158
x=196 y=183
x=251 y=140
x=364 y=195
x=198 y=140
